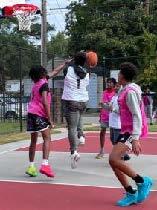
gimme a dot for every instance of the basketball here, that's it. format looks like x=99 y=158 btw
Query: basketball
x=92 y=59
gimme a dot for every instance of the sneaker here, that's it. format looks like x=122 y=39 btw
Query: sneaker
x=82 y=140
x=144 y=189
x=46 y=169
x=74 y=160
x=128 y=200
x=32 y=171
x=100 y=156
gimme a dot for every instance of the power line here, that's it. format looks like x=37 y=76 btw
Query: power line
x=100 y=6
x=56 y=9
x=55 y=16
x=60 y=9
x=51 y=12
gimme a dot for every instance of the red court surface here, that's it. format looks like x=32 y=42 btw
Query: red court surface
x=20 y=196
x=149 y=145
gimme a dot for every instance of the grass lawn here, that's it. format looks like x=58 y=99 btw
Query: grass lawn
x=14 y=137
x=9 y=127
x=153 y=128
x=92 y=128
x=10 y=132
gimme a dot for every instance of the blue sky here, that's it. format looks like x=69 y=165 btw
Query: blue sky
x=55 y=17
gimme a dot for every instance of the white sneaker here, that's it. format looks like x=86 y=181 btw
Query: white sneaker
x=82 y=140
x=74 y=159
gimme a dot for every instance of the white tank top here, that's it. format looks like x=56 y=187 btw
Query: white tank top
x=71 y=92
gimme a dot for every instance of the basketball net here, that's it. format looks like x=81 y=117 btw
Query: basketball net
x=24 y=19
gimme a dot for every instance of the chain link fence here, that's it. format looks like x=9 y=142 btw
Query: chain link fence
x=15 y=86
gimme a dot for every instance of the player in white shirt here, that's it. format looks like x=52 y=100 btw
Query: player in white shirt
x=114 y=120
x=114 y=117
x=75 y=96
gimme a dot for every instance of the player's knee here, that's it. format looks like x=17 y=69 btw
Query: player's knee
x=112 y=160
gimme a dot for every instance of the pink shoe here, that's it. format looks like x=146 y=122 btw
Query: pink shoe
x=46 y=169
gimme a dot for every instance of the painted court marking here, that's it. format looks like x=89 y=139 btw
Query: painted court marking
x=62 y=183
x=62 y=195
x=59 y=197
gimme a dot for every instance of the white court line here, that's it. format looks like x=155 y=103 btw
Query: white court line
x=62 y=183
x=11 y=150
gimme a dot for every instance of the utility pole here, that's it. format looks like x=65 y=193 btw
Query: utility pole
x=44 y=33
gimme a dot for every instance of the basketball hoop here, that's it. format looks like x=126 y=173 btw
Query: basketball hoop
x=25 y=13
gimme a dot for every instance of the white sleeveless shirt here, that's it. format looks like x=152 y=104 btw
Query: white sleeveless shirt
x=71 y=92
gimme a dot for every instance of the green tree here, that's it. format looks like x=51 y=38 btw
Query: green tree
x=149 y=59
x=104 y=24
x=114 y=28
x=14 y=44
x=58 y=45
x=17 y=48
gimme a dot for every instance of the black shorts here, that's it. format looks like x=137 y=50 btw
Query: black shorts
x=114 y=135
x=126 y=139
x=36 y=123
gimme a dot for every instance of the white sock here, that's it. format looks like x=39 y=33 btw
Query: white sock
x=31 y=163
x=45 y=162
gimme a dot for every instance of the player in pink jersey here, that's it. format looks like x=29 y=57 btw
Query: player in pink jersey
x=104 y=113
x=133 y=126
x=39 y=118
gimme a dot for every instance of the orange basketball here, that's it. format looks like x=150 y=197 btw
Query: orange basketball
x=92 y=59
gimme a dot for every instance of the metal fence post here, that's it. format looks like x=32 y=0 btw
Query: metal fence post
x=104 y=73
x=53 y=87
x=21 y=91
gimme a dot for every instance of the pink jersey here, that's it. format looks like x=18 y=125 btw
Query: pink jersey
x=126 y=116
x=106 y=98
x=35 y=105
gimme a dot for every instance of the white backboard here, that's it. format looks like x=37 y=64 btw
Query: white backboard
x=4 y=3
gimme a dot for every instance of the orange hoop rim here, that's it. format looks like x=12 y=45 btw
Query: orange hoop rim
x=25 y=7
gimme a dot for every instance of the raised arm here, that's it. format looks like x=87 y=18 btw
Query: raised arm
x=56 y=70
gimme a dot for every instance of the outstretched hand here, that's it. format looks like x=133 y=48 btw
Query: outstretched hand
x=68 y=61
x=52 y=125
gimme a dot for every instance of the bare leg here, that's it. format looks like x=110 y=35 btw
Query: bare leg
x=102 y=138
x=120 y=167
x=46 y=144
x=45 y=167
x=32 y=147
x=121 y=177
